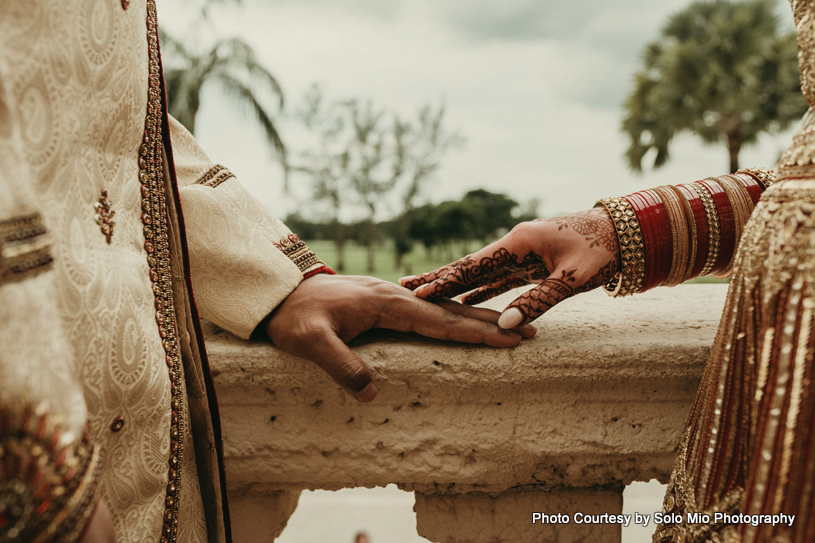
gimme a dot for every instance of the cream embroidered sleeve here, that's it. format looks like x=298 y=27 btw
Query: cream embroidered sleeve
x=243 y=260
x=49 y=464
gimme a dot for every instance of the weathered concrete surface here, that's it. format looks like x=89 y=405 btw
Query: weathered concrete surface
x=598 y=398
x=463 y=518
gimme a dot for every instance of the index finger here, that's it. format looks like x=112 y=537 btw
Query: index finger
x=415 y=281
x=479 y=269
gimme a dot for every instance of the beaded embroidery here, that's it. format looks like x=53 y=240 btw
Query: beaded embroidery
x=48 y=491
x=215 y=176
x=25 y=248
x=156 y=244
x=104 y=216
x=299 y=253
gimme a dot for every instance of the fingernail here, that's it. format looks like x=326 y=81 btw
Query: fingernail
x=510 y=318
x=406 y=278
x=367 y=394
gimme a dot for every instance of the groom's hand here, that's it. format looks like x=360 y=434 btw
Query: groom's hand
x=325 y=311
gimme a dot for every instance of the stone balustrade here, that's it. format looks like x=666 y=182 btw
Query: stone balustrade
x=485 y=437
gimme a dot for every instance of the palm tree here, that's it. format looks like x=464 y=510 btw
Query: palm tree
x=233 y=64
x=720 y=71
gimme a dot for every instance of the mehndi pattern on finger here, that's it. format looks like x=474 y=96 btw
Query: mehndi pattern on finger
x=554 y=290
x=469 y=275
x=429 y=277
x=505 y=284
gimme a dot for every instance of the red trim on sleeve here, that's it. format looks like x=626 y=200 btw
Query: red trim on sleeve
x=321 y=269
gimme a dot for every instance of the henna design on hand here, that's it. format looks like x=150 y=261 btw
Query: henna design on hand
x=593 y=224
x=521 y=257
x=468 y=275
x=428 y=277
x=482 y=294
x=542 y=298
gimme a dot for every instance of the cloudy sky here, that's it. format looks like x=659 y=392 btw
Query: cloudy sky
x=535 y=87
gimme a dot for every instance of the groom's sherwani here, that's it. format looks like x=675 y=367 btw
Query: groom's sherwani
x=97 y=317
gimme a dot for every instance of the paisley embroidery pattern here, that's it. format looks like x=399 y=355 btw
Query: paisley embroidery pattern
x=79 y=90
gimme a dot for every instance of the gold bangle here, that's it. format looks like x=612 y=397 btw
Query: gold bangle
x=714 y=231
x=679 y=230
x=742 y=206
x=738 y=222
x=691 y=227
x=763 y=176
x=632 y=252
x=743 y=195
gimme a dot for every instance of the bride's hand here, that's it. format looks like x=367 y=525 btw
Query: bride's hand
x=581 y=250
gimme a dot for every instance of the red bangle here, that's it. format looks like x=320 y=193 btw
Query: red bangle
x=661 y=240
x=702 y=242
x=664 y=239
x=752 y=186
x=727 y=224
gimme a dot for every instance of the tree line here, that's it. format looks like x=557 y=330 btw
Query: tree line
x=479 y=214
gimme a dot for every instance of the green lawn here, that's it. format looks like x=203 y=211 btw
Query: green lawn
x=417 y=261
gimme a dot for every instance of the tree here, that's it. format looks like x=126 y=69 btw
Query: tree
x=425 y=145
x=720 y=71
x=327 y=161
x=376 y=162
x=366 y=151
x=233 y=64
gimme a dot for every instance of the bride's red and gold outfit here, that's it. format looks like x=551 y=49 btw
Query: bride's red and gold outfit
x=749 y=446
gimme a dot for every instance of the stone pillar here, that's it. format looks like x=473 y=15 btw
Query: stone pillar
x=259 y=517
x=509 y=517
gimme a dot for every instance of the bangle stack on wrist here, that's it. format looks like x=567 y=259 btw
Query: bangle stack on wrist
x=671 y=233
x=630 y=279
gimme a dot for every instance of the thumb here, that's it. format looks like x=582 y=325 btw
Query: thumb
x=530 y=305
x=346 y=368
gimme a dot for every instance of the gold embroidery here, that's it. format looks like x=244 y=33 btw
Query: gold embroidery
x=48 y=491
x=215 y=176
x=299 y=253
x=680 y=500
x=25 y=248
x=104 y=216
x=156 y=244
x=805 y=26
x=796 y=161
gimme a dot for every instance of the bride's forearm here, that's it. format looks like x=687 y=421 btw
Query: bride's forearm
x=670 y=234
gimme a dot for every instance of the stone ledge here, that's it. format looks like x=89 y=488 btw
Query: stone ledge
x=598 y=399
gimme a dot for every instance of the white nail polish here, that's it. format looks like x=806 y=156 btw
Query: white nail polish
x=510 y=318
